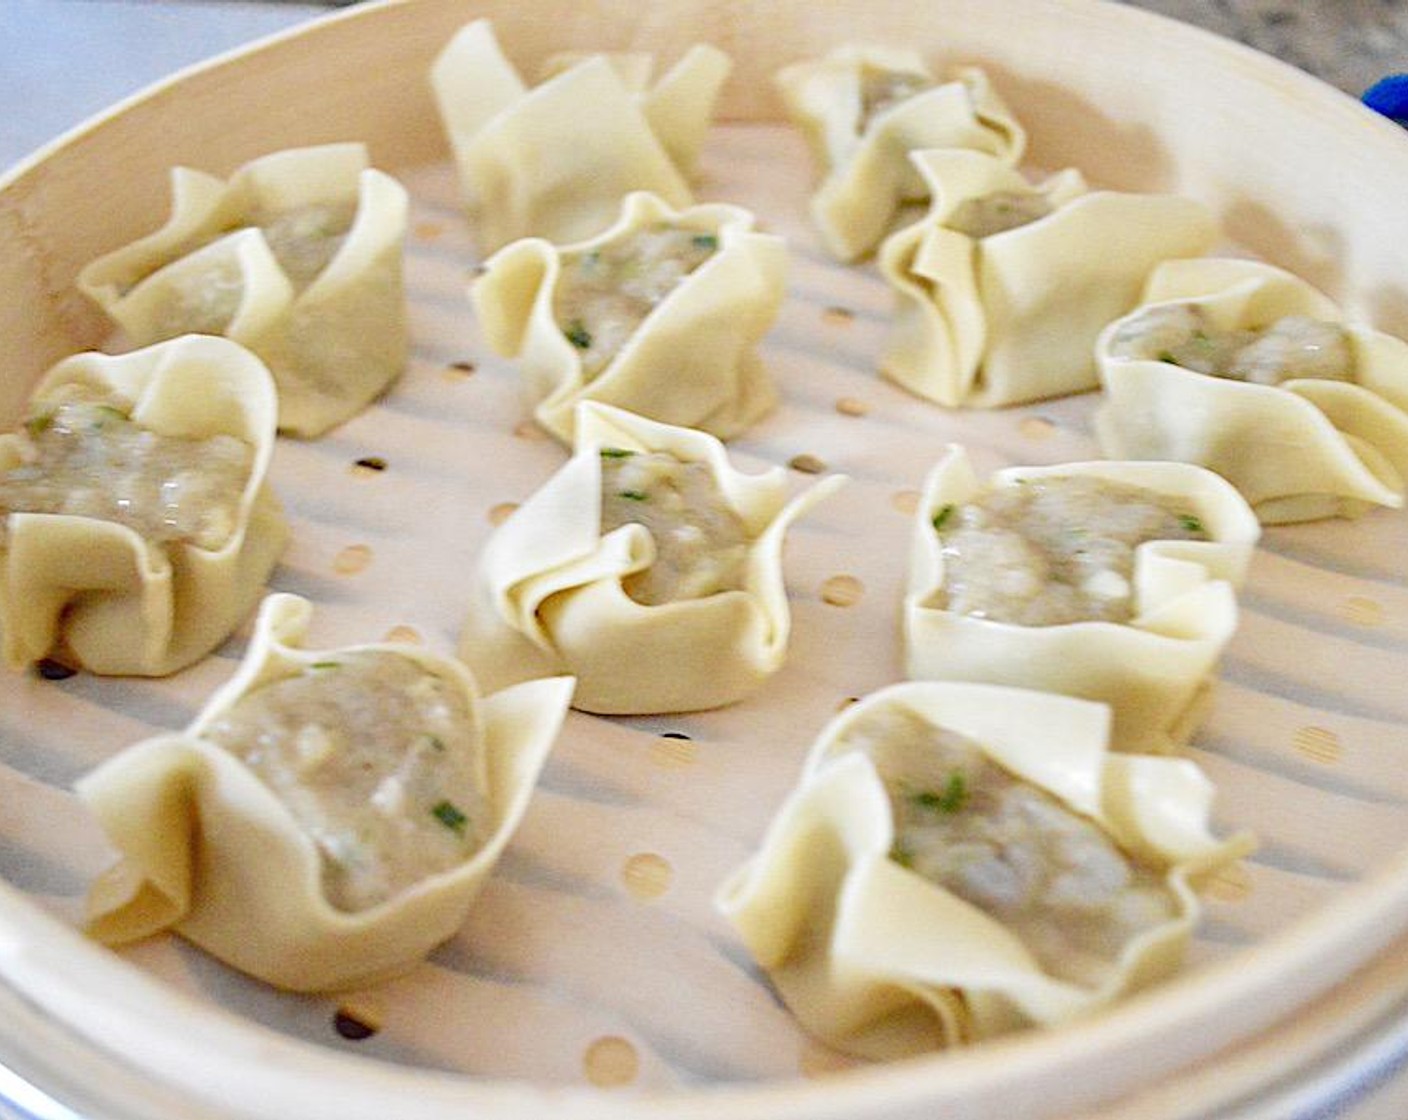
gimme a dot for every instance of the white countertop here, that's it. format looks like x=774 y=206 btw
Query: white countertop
x=61 y=61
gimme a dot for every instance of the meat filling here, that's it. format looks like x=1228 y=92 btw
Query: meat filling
x=1290 y=347
x=377 y=759
x=701 y=545
x=882 y=89
x=1051 y=876
x=83 y=455
x=1056 y=550
x=989 y=214
x=604 y=294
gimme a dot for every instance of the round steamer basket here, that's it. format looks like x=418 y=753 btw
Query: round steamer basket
x=594 y=978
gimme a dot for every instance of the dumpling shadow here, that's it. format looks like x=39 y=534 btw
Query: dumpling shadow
x=1066 y=130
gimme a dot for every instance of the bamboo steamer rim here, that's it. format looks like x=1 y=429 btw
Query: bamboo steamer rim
x=122 y=1012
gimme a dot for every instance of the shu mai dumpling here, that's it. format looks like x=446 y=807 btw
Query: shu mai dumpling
x=863 y=109
x=1111 y=581
x=137 y=527
x=678 y=106
x=661 y=314
x=1245 y=369
x=1003 y=287
x=297 y=256
x=963 y=860
x=329 y=816
x=556 y=159
x=648 y=567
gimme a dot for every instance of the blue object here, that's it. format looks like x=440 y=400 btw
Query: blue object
x=1389 y=96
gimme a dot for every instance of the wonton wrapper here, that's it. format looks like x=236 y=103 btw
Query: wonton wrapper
x=95 y=591
x=555 y=161
x=679 y=107
x=878 y=961
x=692 y=361
x=1155 y=671
x=548 y=595
x=867 y=175
x=209 y=851
x=1014 y=317
x=1305 y=449
x=332 y=347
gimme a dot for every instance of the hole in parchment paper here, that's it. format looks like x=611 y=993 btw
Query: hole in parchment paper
x=842 y=591
x=354 y=1025
x=1230 y=884
x=1360 y=610
x=1319 y=744
x=369 y=465
x=673 y=748
x=352 y=559
x=610 y=1062
x=806 y=464
x=51 y=670
x=905 y=501
x=1037 y=428
x=647 y=876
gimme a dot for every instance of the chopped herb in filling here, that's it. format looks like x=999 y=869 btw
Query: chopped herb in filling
x=83 y=456
x=701 y=545
x=604 y=294
x=379 y=763
x=1182 y=334
x=1009 y=848
x=451 y=817
x=1057 y=550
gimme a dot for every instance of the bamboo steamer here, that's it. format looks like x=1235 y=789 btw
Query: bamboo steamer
x=594 y=980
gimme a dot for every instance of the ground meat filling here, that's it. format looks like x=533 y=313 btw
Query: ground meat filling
x=1290 y=347
x=882 y=89
x=376 y=758
x=998 y=212
x=1056 y=550
x=82 y=455
x=604 y=294
x=1049 y=875
x=305 y=239
x=701 y=545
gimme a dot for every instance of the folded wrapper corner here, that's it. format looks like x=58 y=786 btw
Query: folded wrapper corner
x=555 y=160
x=879 y=962
x=867 y=177
x=95 y=591
x=334 y=341
x=1305 y=449
x=692 y=361
x=1014 y=316
x=209 y=851
x=549 y=598
x=1156 y=672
